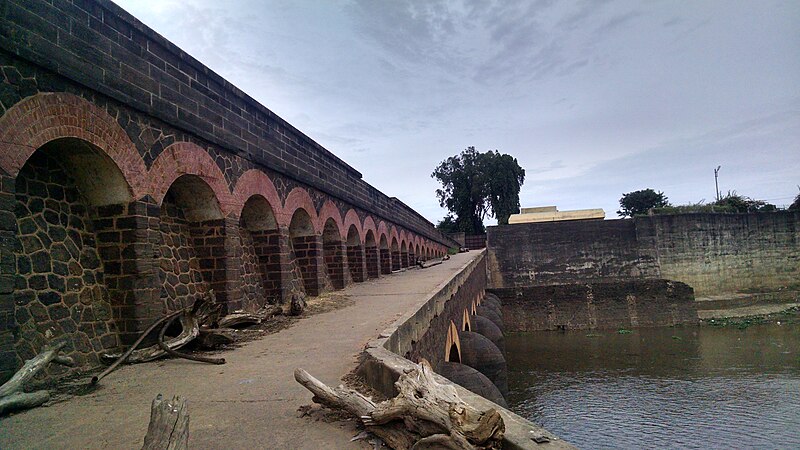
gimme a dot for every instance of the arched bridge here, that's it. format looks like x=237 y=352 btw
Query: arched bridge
x=133 y=179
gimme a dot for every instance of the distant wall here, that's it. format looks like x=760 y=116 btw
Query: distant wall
x=713 y=253
x=604 y=305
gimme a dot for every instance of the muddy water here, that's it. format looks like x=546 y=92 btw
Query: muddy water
x=692 y=387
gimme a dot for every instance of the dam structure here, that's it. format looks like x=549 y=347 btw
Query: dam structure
x=133 y=179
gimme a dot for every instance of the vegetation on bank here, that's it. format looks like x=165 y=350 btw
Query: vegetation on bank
x=789 y=316
x=648 y=201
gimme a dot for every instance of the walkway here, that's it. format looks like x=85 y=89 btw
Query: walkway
x=252 y=401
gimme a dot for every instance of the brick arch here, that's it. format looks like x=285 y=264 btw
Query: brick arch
x=403 y=237
x=298 y=198
x=187 y=158
x=369 y=224
x=329 y=210
x=44 y=117
x=393 y=235
x=256 y=182
x=351 y=218
x=383 y=231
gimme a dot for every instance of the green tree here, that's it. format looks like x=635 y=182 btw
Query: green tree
x=639 y=202
x=475 y=184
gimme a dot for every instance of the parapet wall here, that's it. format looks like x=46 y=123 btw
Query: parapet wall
x=713 y=253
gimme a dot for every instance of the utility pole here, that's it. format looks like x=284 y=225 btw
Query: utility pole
x=716 y=180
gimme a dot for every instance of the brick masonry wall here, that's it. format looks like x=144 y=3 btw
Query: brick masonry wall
x=267 y=248
x=355 y=262
x=601 y=305
x=713 y=253
x=432 y=344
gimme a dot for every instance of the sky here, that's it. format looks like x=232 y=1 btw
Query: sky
x=594 y=98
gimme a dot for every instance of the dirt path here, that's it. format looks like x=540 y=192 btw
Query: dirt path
x=252 y=401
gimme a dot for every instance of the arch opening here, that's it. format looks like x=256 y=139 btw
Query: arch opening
x=334 y=252
x=396 y=256
x=192 y=243
x=404 y=255
x=372 y=255
x=305 y=253
x=69 y=199
x=356 y=255
x=261 y=263
x=385 y=256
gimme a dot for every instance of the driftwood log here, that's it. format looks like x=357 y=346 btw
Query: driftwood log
x=424 y=414
x=12 y=396
x=240 y=318
x=190 y=330
x=169 y=425
x=212 y=338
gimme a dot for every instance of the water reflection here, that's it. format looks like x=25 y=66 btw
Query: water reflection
x=693 y=387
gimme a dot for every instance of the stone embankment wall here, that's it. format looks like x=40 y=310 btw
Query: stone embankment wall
x=712 y=253
x=133 y=179
x=601 y=305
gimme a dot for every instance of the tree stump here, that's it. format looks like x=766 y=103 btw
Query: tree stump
x=169 y=425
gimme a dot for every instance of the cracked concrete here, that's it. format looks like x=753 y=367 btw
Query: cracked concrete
x=250 y=402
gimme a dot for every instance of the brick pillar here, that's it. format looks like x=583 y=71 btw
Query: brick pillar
x=126 y=238
x=356 y=261
x=8 y=270
x=373 y=262
x=335 y=263
x=308 y=256
x=397 y=260
x=386 y=261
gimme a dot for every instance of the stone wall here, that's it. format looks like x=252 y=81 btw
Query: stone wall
x=713 y=253
x=601 y=305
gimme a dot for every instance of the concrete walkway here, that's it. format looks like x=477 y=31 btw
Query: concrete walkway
x=250 y=402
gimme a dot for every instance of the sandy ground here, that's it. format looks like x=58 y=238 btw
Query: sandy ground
x=250 y=402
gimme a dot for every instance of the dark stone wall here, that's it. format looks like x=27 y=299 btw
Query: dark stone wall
x=718 y=253
x=255 y=276
x=713 y=253
x=565 y=252
x=600 y=305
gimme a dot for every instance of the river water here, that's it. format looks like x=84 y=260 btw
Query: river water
x=686 y=387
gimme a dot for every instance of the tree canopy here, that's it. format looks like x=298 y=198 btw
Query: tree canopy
x=475 y=184
x=639 y=202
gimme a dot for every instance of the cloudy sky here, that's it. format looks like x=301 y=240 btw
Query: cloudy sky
x=594 y=98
